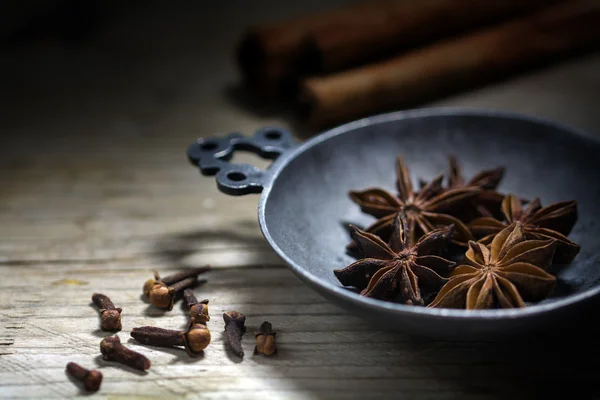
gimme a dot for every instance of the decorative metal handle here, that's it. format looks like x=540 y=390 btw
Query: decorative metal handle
x=212 y=156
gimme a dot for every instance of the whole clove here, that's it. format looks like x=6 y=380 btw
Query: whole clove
x=265 y=340
x=234 y=330
x=163 y=295
x=112 y=350
x=195 y=338
x=171 y=279
x=198 y=309
x=91 y=378
x=110 y=316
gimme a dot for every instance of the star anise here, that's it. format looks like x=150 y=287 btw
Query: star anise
x=502 y=275
x=396 y=271
x=488 y=201
x=551 y=222
x=487 y=179
x=426 y=210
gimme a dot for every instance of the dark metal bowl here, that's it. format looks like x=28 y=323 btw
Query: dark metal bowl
x=304 y=208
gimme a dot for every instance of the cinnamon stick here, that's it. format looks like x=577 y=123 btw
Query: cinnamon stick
x=395 y=25
x=272 y=56
x=452 y=65
x=268 y=54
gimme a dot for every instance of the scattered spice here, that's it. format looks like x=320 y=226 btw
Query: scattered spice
x=195 y=338
x=110 y=316
x=198 y=309
x=171 y=279
x=396 y=271
x=427 y=209
x=163 y=295
x=68 y=282
x=112 y=350
x=501 y=275
x=91 y=379
x=265 y=340
x=234 y=330
x=540 y=223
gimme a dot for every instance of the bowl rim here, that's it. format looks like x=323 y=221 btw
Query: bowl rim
x=349 y=296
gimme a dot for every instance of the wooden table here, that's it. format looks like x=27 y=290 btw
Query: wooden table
x=97 y=193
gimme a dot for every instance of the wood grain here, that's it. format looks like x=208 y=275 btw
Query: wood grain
x=96 y=192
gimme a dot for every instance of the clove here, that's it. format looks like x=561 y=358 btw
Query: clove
x=171 y=279
x=195 y=338
x=110 y=316
x=198 y=309
x=163 y=295
x=234 y=329
x=112 y=350
x=91 y=378
x=265 y=340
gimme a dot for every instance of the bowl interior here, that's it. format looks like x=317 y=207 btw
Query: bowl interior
x=307 y=209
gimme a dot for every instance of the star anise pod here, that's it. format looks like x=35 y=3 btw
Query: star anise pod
x=488 y=201
x=551 y=222
x=487 y=179
x=502 y=275
x=398 y=270
x=426 y=210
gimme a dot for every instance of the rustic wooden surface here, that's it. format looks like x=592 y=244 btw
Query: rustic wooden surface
x=96 y=193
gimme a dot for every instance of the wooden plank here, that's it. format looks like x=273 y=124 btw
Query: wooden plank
x=47 y=320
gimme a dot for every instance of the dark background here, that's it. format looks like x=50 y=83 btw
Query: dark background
x=158 y=66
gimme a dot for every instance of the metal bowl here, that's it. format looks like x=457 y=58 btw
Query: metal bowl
x=304 y=208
